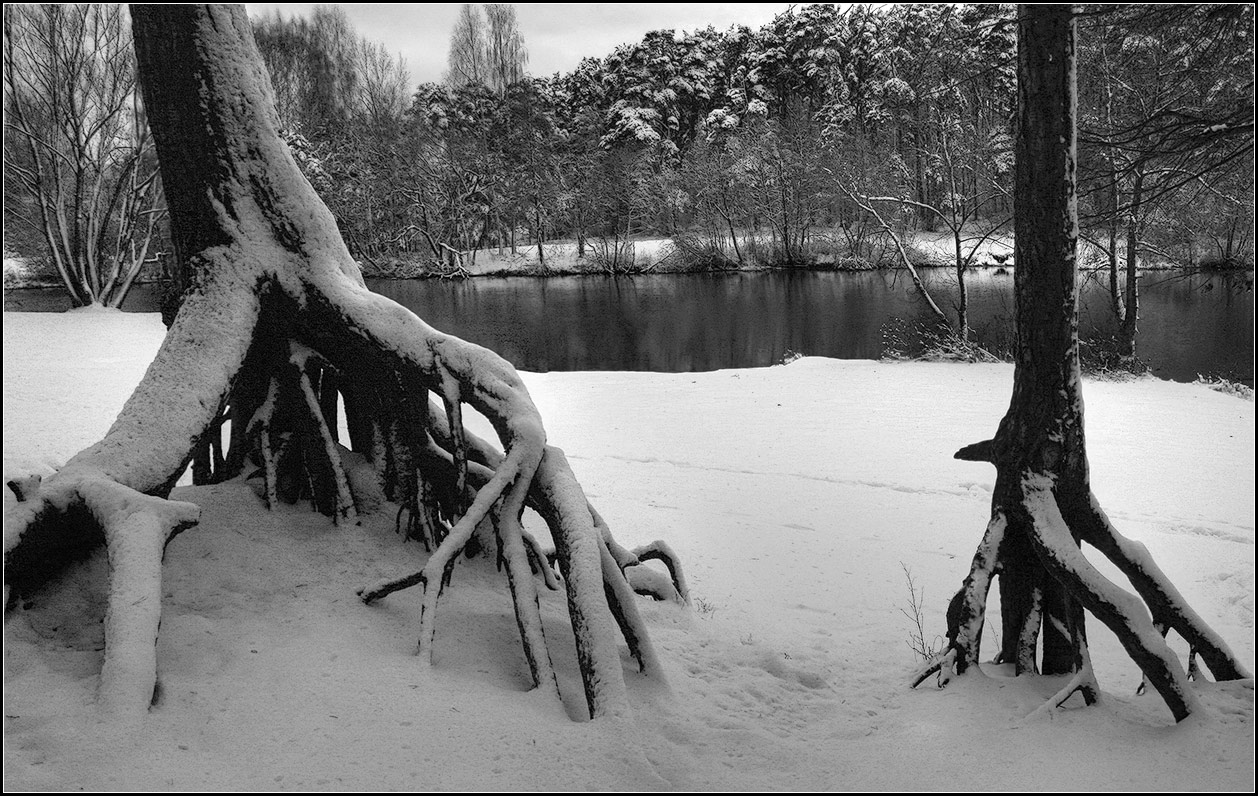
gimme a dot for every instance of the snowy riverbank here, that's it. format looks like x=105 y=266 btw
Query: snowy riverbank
x=793 y=494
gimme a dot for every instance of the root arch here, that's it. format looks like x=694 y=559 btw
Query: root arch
x=278 y=333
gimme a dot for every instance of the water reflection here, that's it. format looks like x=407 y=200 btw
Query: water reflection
x=1189 y=324
x=676 y=323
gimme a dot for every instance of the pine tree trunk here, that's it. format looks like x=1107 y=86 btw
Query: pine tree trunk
x=1042 y=504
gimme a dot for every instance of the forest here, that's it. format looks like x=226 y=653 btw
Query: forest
x=798 y=142
x=823 y=139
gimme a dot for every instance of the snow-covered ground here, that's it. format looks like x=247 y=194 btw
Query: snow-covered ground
x=561 y=257
x=794 y=495
x=17 y=272
x=932 y=248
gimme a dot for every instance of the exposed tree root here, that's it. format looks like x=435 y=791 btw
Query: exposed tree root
x=1122 y=612
x=966 y=610
x=1170 y=610
x=499 y=487
x=944 y=664
x=1057 y=552
x=1193 y=672
x=80 y=507
x=279 y=331
x=660 y=551
x=1083 y=681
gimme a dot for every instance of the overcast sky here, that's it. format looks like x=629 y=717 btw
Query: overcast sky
x=557 y=35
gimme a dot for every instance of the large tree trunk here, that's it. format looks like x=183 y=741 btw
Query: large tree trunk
x=1042 y=505
x=276 y=330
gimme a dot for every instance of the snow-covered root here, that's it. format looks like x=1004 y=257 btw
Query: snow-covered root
x=1122 y=612
x=260 y=425
x=501 y=496
x=1028 y=632
x=553 y=492
x=524 y=588
x=1170 y=609
x=539 y=561
x=1194 y=672
x=112 y=492
x=418 y=500
x=660 y=551
x=644 y=582
x=580 y=548
x=136 y=528
x=444 y=556
x=1082 y=681
x=291 y=395
x=620 y=597
x=135 y=538
x=343 y=511
x=966 y=612
x=945 y=663
x=619 y=594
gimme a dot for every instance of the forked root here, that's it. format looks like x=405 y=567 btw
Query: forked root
x=1047 y=528
x=1083 y=681
x=944 y=663
x=1193 y=673
x=1169 y=608
x=1122 y=612
x=524 y=588
x=967 y=610
x=136 y=529
x=660 y=551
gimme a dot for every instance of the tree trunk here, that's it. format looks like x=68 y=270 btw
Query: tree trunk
x=276 y=328
x=963 y=296
x=1131 y=295
x=537 y=225
x=1042 y=504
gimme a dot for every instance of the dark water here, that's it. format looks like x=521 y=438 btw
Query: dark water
x=141 y=298
x=1198 y=324
x=1190 y=324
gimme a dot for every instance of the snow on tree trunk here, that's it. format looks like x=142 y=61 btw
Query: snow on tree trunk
x=1042 y=504
x=276 y=329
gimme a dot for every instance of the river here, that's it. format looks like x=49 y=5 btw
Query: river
x=1189 y=324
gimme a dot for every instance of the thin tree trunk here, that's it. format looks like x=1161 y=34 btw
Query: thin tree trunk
x=1131 y=294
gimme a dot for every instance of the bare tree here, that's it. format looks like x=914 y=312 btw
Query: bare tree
x=486 y=49
x=467 y=61
x=77 y=145
x=504 y=47
x=385 y=82
x=316 y=69
x=1167 y=122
